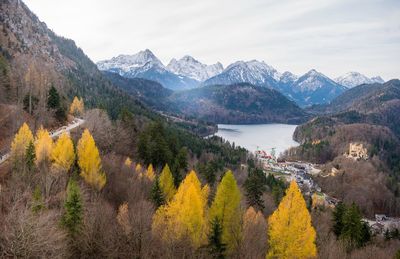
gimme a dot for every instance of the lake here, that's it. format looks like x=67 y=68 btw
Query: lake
x=261 y=136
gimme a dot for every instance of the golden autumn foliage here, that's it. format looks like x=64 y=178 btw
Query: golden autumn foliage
x=21 y=141
x=63 y=154
x=167 y=183
x=89 y=161
x=226 y=207
x=43 y=145
x=185 y=215
x=128 y=162
x=290 y=232
x=138 y=168
x=77 y=106
x=150 y=173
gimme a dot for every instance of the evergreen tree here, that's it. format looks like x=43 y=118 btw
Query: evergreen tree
x=355 y=232
x=167 y=183
x=215 y=245
x=290 y=232
x=157 y=194
x=37 y=200
x=53 y=100
x=255 y=186
x=30 y=156
x=226 y=208
x=338 y=218
x=73 y=214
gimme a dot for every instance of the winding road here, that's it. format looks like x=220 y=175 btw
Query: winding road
x=74 y=124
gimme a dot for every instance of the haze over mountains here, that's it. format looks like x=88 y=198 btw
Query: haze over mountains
x=187 y=73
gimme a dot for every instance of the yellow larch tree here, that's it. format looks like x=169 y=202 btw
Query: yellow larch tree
x=167 y=183
x=77 y=106
x=185 y=215
x=150 y=173
x=63 y=154
x=21 y=141
x=226 y=208
x=128 y=162
x=138 y=168
x=89 y=161
x=290 y=232
x=43 y=145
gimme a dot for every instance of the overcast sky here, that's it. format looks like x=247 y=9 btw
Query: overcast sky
x=333 y=37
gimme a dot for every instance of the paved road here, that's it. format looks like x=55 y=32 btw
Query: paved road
x=75 y=123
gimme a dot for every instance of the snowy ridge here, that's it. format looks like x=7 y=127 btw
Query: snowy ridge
x=192 y=68
x=352 y=79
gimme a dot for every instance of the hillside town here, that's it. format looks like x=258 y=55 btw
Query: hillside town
x=303 y=173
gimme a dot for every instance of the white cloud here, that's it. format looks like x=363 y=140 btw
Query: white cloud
x=331 y=36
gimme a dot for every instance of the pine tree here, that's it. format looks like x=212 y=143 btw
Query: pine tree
x=290 y=232
x=338 y=218
x=63 y=154
x=150 y=173
x=20 y=143
x=185 y=215
x=30 y=156
x=167 y=183
x=37 y=200
x=43 y=145
x=255 y=186
x=226 y=208
x=157 y=195
x=355 y=232
x=53 y=100
x=215 y=245
x=73 y=209
x=89 y=161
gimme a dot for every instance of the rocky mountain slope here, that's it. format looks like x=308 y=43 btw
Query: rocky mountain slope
x=33 y=58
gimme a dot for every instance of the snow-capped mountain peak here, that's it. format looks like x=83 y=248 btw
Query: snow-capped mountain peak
x=352 y=79
x=192 y=68
x=129 y=63
x=312 y=81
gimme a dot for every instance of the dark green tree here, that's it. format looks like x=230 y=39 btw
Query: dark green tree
x=355 y=232
x=53 y=100
x=73 y=209
x=255 y=186
x=157 y=194
x=215 y=246
x=180 y=164
x=30 y=156
x=338 y=213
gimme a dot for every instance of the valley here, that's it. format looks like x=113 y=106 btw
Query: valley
x=135 y=157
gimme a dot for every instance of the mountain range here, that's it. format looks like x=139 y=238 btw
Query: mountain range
x=187 y=73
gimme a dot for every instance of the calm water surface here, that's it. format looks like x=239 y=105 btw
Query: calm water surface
x=261 y=136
